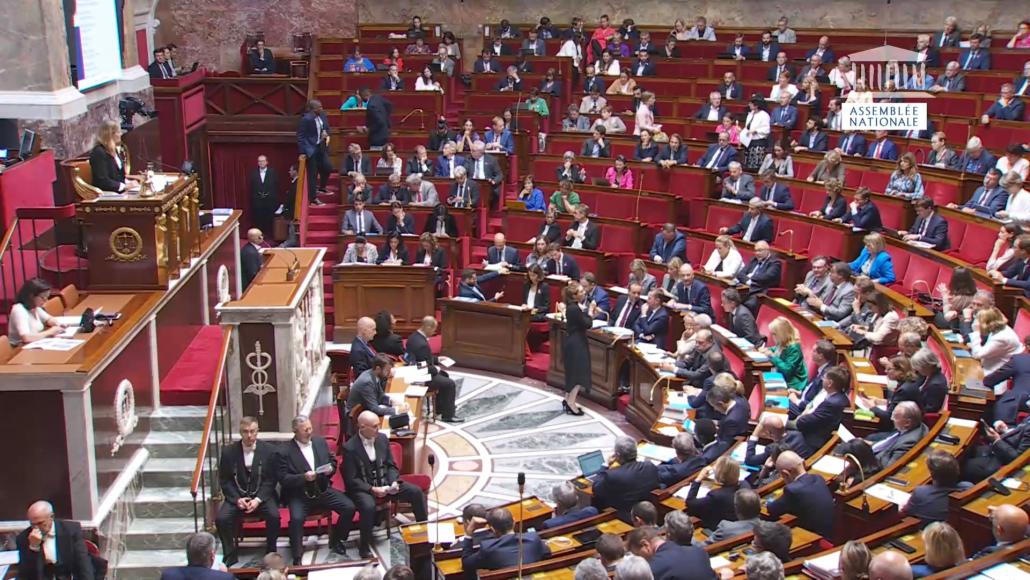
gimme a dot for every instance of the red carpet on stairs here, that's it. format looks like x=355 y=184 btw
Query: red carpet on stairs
x=189 y=380
x=536 y=366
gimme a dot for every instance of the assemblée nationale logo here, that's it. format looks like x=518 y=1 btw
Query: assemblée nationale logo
x=894 y=100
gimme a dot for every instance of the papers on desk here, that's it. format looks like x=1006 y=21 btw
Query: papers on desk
x=617 y=331
x=861 y=363
x=830 y=464
x=493 y=267
x=445 y=361
x=618 y=290
x=952 y=336
x=827 y=566
x=1004 y=571
x=446 y=533
x=756 y=356
x=220 y=215
x=722 y=330
x=657 y=452
x=679 y=401
x=919 y=244
x=862 y=404
x=464 y=299
x=844 y=434
x=961 y=353
x=719 y=562
x=518 y=307
x=598 y=324
x=412 y=374
x=825 y=323
x=1012 y=483
x=888 y=493
x=558 y=278
x=416 y=391
x=685 y=490
x=58 y=344
x=68 y=320
x=869 y=378
x=668 y=430
x=966 y=423
x=740 y=451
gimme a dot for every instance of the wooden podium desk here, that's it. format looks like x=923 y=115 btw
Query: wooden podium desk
x=277 y=361
x=362 y=290
x=607 y=357
x=485 y=335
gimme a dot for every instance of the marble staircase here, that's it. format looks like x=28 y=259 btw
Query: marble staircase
x=163 y=509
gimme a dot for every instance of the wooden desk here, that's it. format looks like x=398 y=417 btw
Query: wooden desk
x=362 y=290
x=407 y=442
x=607 y=356
x=1011 y=555
x=485 y=335
x=906 y=531
x=969 y=508
x=803 y=542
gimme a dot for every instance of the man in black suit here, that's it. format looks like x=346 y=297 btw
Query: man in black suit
x=481 y=166
x=781 y=66
x=741 y=319
x=767 y=49
x=1008 y=525
x=694 y=367
x=628 y=482
x=377 y=118
x=502 y=551
x=821 y=419
x=644 y=66
x=370 y=475
x=306 y=469
x=1006 y=444
x=264 y=194
x=250 y=256
x=713 y=110
x=261 y=59
x=772 y=427
x=687 y=462
x=627 y=308
x=419 y=352
x=929 y=228
x=908 y=430
x=369 y=390
x=559 y=263
x=464 y=192
x=393 y=81
x=159 y=69
x=247 y=474
x=583 y=233
x=760 y=274
x=313 y=141
x=730 y=88
x=806 y=496
x=669 y=559
x=1008 y=405
x=361 y=351
x=754 y=225
x=692 y=294
x=52 y=548
x=200 y=561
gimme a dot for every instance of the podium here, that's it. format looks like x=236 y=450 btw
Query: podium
x=362 y=290
x=277 y=360
x=138 y=242
x=181 y=111
x=485 y=335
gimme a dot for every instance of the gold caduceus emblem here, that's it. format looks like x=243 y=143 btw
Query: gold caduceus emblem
x=259 y=361
x=126 y=245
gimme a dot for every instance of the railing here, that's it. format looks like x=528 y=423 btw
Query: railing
x=205 y=470
x=300 y=205
x=30 y=249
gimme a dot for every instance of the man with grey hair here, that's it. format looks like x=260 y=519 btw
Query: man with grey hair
x=678 y=528
x=200 y=561
x=686 y=463
x=633 y=568
x=567 y=508
x=763 y=566
x=464 y=192
x=370 y=572
x=908 y=431
x=305 y=475
x=754 y=225
x=890 y=565
x=423 y=193
x=483 y=167
x=747 y=506
x=590 y=569
x=53 y=548
x=627 y=481
x=738 y=186
x=952 y=81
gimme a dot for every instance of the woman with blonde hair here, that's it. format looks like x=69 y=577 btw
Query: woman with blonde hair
x=854 y=561
x=944 y=549
x=623 y=85
x=874 y=261
x=786 y=355
x=718 y=504
x=835 y=205
x=993 y=341
x=108 y=161
x=672 y=274
x=638 y=275
x=725 y=260
x=831 y=166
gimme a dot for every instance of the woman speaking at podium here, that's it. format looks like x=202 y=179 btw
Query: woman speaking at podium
x=575 y=348
x=108 y=161
x=28 y=321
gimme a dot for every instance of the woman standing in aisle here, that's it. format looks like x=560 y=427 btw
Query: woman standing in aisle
x=575 y=347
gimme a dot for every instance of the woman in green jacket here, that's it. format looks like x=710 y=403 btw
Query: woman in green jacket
x=786 y=354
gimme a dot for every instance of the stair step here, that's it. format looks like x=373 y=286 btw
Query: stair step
x=170 y=444
x=169 y=472
x=148 y=564
x=166 y=502
x=178 y=418
x=157 y=533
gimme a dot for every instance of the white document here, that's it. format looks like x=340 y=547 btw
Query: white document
x=347 y=573
x=446 y=533
x=416 y=391
x=719 y=562
x=68 y=320
x=844 y=434
x=874 y=379
x=58 y=344
x=828 y=564
x=830 y=464
x=445 y=361
x=862 y=363
x=69 y=332
x=967 y=423
x=888 y=493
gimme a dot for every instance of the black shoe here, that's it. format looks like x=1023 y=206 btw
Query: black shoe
x=298 y=562
x=339 y=548
x=566 y=408
x=454 y=419
x=364 y=553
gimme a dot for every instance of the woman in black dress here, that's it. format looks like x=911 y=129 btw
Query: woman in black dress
x=575 y=348
x=108 y=161
x=385 y=341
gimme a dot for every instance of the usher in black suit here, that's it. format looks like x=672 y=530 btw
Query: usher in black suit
x=264 y=198
x=302 y=497
x=239 y=481
x=419 y=352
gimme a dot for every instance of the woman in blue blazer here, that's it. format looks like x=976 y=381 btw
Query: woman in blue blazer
x=944 y=549
x=874 y=261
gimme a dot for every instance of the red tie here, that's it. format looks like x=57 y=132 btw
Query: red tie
x=876 y=153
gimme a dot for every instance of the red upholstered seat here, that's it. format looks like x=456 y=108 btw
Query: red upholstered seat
x=1022 y=325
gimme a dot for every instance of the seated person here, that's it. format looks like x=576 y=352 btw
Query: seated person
x=1006 y=108
x=369 y=389
x=898 y=369
x=693 y=367
x=360 y=252
x=774 y=193
x=627 y=308
x=574 y=121
x=400 y=222
x=665 y=558
x=687 y=462
x=510 y=82
x=836 y=302
x=469 y=286
x=988 y=199
x=531 y=195
x=504 y=549
x=653 y=323
x=976 y=159
x=742 y=321
x=909 y=429
x=1006 y=444
x=502 y=253
x=560 y=263
x=805 y=495
x=882 y=148
x=597 y=145
x=638 y=274
x=691 y=294
x=944 y=550
x=629 y=482
x=718 y=155
x=772 y=427
x=727 y=398
x=786 y=115
x=385 y=340
x=646 y=149
x=393 y=252
x=929 y=227
x=747 y=507
x=358 y=63
x=610 y=121
x=566 y=507
x=261 y=59
x=785 y=354
x=976 y=57
x=464 y=192
x=813 y=138
x=668 y=243
x=391 y=191
x=761 y=273
x=582 y=233
x=675 y=153
x=28 y=320
x=595 y=297
x=643 y=513
x=572 y=172
x=929 y=502
x=874 y=261
x=738 y=186
x=593 y=102
x=619 y=176
x=862 y=214
x=1008 y=525
x=821 y=418
x=905 y=181
x=448 y=161
x=754 y=225
x=824 y=357
x=717 y=505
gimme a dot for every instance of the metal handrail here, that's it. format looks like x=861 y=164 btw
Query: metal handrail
x=209 y=420
x=300 y=201
x=6 y=242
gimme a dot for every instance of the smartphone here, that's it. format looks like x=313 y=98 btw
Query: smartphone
x=895 y=543
x=896 y=481
x=986 y=425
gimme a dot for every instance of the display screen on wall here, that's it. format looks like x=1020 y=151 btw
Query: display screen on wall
x=94 y=43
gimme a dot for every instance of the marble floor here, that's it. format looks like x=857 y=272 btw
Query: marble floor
x=511 y=425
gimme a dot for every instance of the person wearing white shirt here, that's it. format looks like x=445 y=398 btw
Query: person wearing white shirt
x=843 y=76
x=784 y=85
x=247 y=475
x=993 y=341
x=572 y=48
x=609 y=65
x=755 y=135
x=645 y=115
x=425 y=81
x=28 y=321
x=1013 y=160
x=1018 y=207
x=725 y=260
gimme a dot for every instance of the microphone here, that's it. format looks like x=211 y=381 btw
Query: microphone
x=521 y=479
x=640 y=188
x=436 y=497
x=187 y=165
x=421 y=117
x=515 y=120
x=791 y=232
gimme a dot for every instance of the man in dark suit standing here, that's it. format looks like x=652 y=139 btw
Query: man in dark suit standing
x=503 y=550
x=627 y=482
x=481 y=166
x=627 y=308
x=377 y=118
x=370 y=475
x=313 y=141
x=261 y=59
x=250 y=256
x=247 y=474
x=264 y=194
x=306 y=469
x=806 y=496
x=419 y=352
x=669 y=559
x=719 y=155
x=51 y=548
x=754 y=224
x=200 y=559
x=929 y=228
x=361 y=351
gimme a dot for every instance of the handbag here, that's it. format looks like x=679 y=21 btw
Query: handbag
x=280 y=228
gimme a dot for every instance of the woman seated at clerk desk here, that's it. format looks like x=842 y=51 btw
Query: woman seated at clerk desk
x=108 y=160
x=393 y=253
x=360 y=252
x=29 y=322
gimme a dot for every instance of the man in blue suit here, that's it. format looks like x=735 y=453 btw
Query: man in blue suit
x=1008 y=405
x=851 y=143
x=774 y=194
x=975 y=57
x=929 y=228
x=820 y=420
x=502 y=252
x=718 y=156
x=669 y=243
x=498 y=139
x=823 y=50
x=596 y=295
x=766 y=49
x=469 y=286
x=630 y=481
x=687 y=462
x=448 y=161
x=863 y=214
x=362 y=354
x=754 y=225
x=806 y=496
x=692 y=294
x=312 y=140
x=653 y=323
x=1017 y=273
x=713 y=110
x=566 y=507
x=644 y=66
x=503 y=550
x=559 y=263
x=738 y=50
x=627 y=308
x=989 y=198
x=883 y=148
x=200 y=557
x=760 y=274
x=824 y=357
x=786 y=115
x=667 y=558
x=1006 y=108
x=813 y=138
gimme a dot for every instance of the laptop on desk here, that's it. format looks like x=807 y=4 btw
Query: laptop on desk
x=590 y=464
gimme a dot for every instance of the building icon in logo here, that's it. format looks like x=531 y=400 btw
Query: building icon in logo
x=891 y=72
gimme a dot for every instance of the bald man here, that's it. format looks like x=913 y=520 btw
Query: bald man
x=502 y=253
x=805 y=495
x=1008 y=524
x=361 y=351
x=419 y=352
x=51 y=548
x=250 y=256
x=890 y=565
x=371 y=475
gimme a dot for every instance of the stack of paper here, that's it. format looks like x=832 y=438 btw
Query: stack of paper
x=656 y=452
x=825 y=567
x=618 y=331
x=1003 y=571
x=888 y=493
x=59 y=344
x=874 y=379
x=829 y=464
